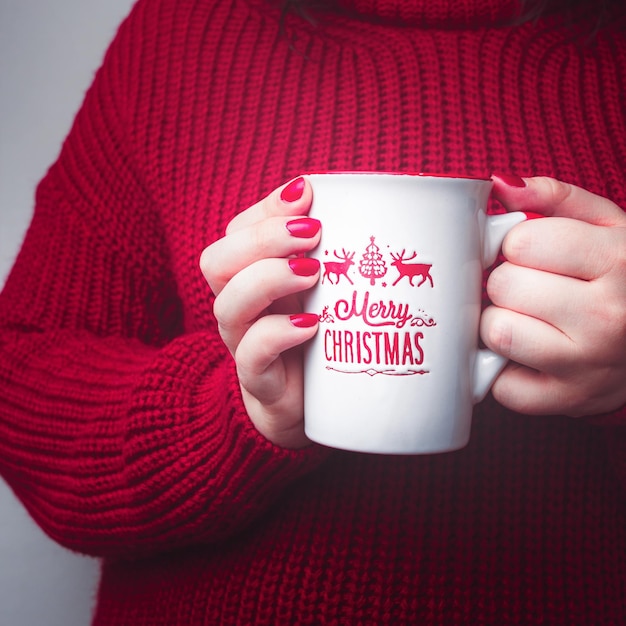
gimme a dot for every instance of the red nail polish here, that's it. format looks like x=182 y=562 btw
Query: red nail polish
x=303 y=227
x=511 y=180
x=293 y=191
x=531 y=215
x=304 y=266
x=304 y=320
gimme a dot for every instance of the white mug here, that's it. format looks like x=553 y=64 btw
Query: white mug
x=395 y=366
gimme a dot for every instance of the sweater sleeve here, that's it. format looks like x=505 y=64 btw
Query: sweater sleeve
x=120 y=433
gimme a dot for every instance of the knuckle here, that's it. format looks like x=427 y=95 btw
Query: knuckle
x=264 y=235
x=557 y=192
x=498 y=333
x=499 y=284
x=518 y=243
x=615 y=318
x=608 y=324
x=267 y=207
x=248 y=216
x=508 y=391
x=233 y=225
x=618 y=248
x=205 y=262
x=223 y=315
x=219 y=311
x=585 y=396
x=211 y=269
x=502 y=337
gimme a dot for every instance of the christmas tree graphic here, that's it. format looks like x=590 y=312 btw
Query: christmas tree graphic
x=372 y=265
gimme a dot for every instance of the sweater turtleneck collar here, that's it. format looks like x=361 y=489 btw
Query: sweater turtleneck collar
x=448 y=13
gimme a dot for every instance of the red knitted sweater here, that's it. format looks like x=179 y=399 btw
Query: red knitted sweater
x=121 y=425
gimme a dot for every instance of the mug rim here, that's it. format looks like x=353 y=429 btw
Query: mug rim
x=408 y=174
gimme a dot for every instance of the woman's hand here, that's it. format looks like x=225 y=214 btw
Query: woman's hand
x=559 y=301
x=257 y=272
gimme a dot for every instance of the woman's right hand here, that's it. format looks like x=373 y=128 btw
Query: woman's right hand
x=258 y=273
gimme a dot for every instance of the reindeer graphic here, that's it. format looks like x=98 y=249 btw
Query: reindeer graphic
x=339 y=268
x=411 y=270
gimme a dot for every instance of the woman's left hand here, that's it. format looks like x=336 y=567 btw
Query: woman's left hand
x=559 y=301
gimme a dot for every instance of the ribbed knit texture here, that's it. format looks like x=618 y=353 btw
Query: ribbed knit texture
x=121 y=425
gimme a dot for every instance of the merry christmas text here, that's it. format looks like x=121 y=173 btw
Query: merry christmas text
x=379 y=313
x=373 y=348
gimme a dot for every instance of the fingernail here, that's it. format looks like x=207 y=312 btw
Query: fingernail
x=293 y=191
x=304 y=227
x=304 y=320
x=511 y=180
x=304 y=266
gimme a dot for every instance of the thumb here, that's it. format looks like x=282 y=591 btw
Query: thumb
x=554 y=198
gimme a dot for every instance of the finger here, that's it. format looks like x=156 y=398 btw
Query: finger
x=555 y=299
x=554 y=198
x=293 y=198
x=261 y=372
x=238 y=305
x=563 y=246
x=270 y=238
x=527 y=340
x=530 y=392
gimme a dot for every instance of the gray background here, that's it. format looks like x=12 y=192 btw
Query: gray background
x=49 y=51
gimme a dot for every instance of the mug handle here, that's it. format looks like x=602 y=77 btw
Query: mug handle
x=487 y=363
